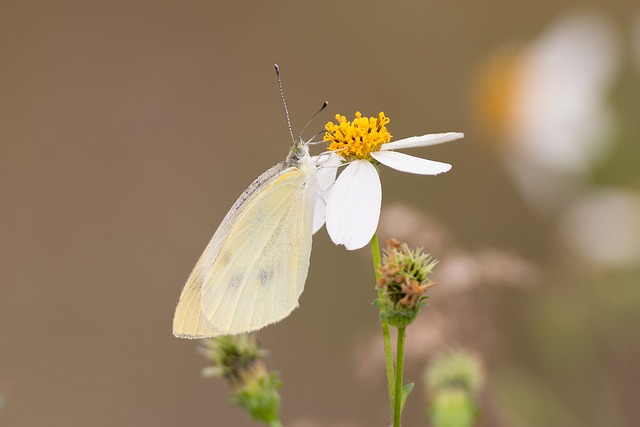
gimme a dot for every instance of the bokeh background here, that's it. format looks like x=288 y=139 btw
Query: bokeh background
x=128 y=128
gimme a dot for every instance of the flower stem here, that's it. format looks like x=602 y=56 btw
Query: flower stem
x=275 y=423
x=386 y=336
x=397 y=401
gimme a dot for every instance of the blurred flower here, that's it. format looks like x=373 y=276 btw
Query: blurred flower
x=546 y=103
x=455 y=369
x=230 y=355
x=492 y=267
x=414 y=227
x=604 y=227
x=453 y=379
x=237 y=358
x=353 y=206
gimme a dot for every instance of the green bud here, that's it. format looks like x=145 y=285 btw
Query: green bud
x=259 y=395
x=404 y=279
x=455 y=369
x=453 y=408
x=453 y=379
x=230 y=355
x=237 y=358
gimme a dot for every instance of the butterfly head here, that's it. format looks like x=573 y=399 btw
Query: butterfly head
x=299 y=151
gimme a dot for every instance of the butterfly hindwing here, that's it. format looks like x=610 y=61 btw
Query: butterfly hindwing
x=253 y=270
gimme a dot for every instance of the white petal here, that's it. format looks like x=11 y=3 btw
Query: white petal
x=327 y=168
x=353 y=207
x=422 y=141
x=410 y=164
x=327 y=165
x=319 y=209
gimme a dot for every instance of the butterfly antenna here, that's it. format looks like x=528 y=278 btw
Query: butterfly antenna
x=284 y=102
x=324 y=105
x=311 y=141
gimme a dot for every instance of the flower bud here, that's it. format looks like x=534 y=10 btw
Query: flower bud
x=404 y=280
x=453 y=380
x=238 y=359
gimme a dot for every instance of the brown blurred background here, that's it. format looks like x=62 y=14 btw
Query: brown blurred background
x=128 y=128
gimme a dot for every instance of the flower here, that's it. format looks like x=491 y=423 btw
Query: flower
x=353 y=205
x=546 y=103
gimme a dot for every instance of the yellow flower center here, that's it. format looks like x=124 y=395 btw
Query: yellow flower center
x=357 y=139
x=496 y=89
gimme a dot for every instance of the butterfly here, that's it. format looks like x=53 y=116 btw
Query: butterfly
x=253 y=270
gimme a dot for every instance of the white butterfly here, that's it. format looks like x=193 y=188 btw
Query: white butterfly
x=253 y=270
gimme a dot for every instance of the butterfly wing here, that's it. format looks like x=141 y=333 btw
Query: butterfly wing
x=253 y=270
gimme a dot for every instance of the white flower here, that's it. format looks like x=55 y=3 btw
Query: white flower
x=548 y=102
x=353 y=205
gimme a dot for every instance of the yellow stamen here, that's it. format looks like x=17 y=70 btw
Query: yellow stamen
x=357 y=139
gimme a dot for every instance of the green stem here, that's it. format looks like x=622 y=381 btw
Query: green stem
x=386 y=336
x=397 y=401
x=275 y=423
